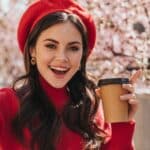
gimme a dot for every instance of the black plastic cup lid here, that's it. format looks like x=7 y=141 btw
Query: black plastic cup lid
x=107 y=81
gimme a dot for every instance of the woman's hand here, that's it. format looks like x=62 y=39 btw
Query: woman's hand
x=131 y=97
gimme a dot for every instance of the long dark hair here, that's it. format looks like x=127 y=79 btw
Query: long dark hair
x=34 y=104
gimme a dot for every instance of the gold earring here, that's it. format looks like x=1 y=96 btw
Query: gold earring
x=33 y=61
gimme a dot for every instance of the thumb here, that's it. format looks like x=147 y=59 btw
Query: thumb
x=98 y=92
x=136 y=75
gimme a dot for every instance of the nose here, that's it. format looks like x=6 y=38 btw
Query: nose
x=61 y=55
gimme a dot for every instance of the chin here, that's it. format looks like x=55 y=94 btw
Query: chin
x=58 y=85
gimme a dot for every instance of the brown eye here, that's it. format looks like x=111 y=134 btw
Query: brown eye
x=51 y=46
x=75 y=48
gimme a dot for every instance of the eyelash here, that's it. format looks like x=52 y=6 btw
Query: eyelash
x=51 y=46
x=74 y=48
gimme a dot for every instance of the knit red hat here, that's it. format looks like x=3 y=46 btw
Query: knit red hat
x=41 y=8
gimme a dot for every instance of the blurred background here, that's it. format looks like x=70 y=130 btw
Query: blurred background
x=123 y=46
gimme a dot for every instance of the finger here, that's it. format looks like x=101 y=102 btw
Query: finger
x=128 y=97
x=133 y=102
x=136 y=76
x=128 y=87
x=98 y=92
x=133 y=107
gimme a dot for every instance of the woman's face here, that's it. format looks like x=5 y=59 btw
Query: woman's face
x=58 y=52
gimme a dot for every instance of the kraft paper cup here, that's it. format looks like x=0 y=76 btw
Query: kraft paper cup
x=111 y=89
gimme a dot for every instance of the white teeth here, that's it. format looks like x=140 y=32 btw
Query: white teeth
x=59 y=68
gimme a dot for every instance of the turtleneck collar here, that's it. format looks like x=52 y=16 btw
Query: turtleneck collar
x=58 y=96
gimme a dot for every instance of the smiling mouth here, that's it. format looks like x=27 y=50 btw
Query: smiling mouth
x=59 y=70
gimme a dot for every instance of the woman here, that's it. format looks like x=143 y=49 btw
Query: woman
x=56 y=107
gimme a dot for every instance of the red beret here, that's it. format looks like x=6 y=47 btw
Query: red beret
x=41 y=8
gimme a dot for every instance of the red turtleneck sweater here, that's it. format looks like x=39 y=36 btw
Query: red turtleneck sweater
x=121 y=137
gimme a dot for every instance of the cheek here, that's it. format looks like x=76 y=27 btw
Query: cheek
x=43 y=60
x=76 y=60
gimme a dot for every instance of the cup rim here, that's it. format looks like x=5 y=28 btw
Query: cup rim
x=107 y=81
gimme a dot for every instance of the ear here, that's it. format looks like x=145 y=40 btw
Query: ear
x=32 y=52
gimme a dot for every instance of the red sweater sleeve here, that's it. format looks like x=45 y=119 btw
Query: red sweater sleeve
x=8 y=102
x=121 y=138
x=8 y=107
x=118 y=136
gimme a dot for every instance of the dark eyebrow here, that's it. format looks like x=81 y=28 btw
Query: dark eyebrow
x=52 y=40
x=75 y=42
x=70 y=43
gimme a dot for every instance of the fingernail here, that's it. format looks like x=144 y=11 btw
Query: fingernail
x=121 y=97
x=123 y=85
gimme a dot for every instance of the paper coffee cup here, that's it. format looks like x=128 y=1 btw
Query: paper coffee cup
x=111 y=89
